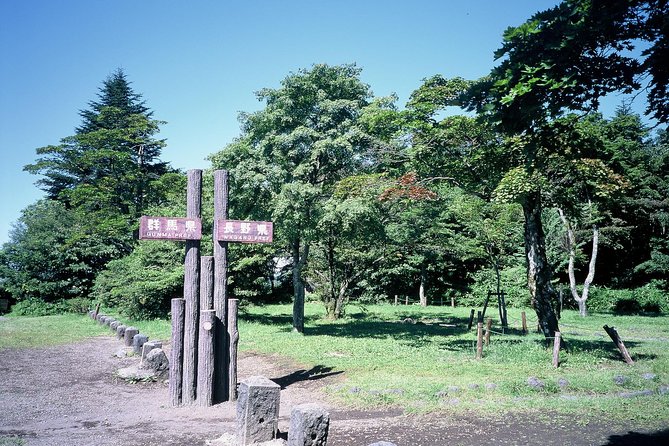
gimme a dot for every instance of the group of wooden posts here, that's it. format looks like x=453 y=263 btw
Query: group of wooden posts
x=203 y=357
x=482 y=338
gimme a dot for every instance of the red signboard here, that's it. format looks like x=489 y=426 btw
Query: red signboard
x=169 y=228
x=244 y=231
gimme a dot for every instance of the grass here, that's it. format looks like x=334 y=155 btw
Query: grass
x=430 y=366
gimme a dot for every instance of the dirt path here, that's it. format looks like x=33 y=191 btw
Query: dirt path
x=68 y=396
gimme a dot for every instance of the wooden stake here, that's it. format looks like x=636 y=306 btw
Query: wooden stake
x=523 y=319
x=205 y=364
x=556 y=349
x=395 y=299
x=97 y=310
x=452 y=302
x=488 y=328
x=222 y=346
x=471 y=319
x=406 y=300
x=233 y=335
x=479 y=340
x=206 y=283
x=192 y=289
x=177 y=352
x=611 y=331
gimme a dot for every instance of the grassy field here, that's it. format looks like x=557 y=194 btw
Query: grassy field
x=430 y=365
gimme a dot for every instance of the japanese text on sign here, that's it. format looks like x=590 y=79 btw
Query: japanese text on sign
x=244 y=231
x=169 y=228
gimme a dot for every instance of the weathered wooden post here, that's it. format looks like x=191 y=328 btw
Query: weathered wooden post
x=488 y=329
x=556 y=349
x=523 y=319
x=206 y=341
x=471 y=319
x=613 y=334
x=233 y=336
x=206 y=364
x=221 y=345
x=479 y=339
x=177 y=352
x=192 y=289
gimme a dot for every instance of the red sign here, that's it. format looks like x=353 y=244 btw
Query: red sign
x=169 y=228
x=244 y=231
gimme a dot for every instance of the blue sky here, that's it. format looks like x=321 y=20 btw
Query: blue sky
x=198 y=63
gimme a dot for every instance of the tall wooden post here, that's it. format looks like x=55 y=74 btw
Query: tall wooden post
x=177 y=352
x=206 y=283
x=233 y=335
x=523 y=319
x=191 y=289
x=221 y=345
x=205 y=366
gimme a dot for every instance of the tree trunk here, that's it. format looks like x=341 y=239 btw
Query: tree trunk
x=421 y=288
x=341 y=297
x=571 y=242
x=538 y=270
x=299 y=260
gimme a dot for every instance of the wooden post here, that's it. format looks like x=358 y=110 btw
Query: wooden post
x=395 y=299
x=611 y=331
x=177 y=352
x=479 y=339
x=191 y=289
x=206 y=283
x=406 y=300
x=523 y=318
x=205 y=364
x=488 y=328
x=471 y=319
x=452 y=301
x=502 y=310
x=97 y=310
x=222 y=346
x=233 y=335
x=556 y=349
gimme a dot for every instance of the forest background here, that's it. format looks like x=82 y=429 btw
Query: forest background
x=458 y=192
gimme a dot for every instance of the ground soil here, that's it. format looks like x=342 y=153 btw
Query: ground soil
x=69 y=396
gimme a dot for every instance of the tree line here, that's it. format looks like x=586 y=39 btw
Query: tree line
x=513 y=181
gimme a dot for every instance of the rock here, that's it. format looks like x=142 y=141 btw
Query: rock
x=649 y=376
x=147 y=347
x=569 y=397
x=645 y=392
x=257 y=410
x=535 y=383
x=620 y=379
x=562 y=383
x=453 y=389
x=491 y=386
x=114 y=325
x=354 y=390
x=138 y=341
x=120 y=331
x=408 y=320
x=129 y=334
x=133 y=373
x=664 y=390
x=121 y=353
x=109 y=321
x=309 y=425
x=441 y=394
x=156 y=361
x=473 y=386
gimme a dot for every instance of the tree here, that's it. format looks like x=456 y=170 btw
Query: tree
x=565 y=58
x=291 y=154
x=108 y=165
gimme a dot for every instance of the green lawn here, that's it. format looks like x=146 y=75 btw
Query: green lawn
x=430 y=365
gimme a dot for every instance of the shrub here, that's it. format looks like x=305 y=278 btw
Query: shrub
x=648 y=298
x=513 y=283
x=37 y=307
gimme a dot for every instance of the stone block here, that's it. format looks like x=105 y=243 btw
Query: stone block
x=138 y=341
x=156 y=361
x=128 y=336
x=147 y=347
x=114 y=325
x=120 y=331
x=257 y=410
x=309 y=425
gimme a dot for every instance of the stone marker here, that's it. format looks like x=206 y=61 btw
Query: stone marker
x=114 y=325
x=156 y=361
x=257 y=410
x=147 y=347
x=120 y=331
x=129 y=334
x=138 y=341
x=101 y=319
x=309 y=424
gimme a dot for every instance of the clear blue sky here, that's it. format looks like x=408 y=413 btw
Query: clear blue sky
x=198 y=63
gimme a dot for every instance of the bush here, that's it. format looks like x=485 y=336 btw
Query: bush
x=141 y=285
x=648 y=298
x=37 y=307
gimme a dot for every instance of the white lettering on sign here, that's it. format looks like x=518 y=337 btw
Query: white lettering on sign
x=244 y=231
x=190 y=225
x=170 y=228
x=153 y=224
x=171 y=225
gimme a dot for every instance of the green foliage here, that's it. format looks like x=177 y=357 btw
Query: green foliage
x=37 y=307
x=645 y=299
x=513 y=282
x=142 y=284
